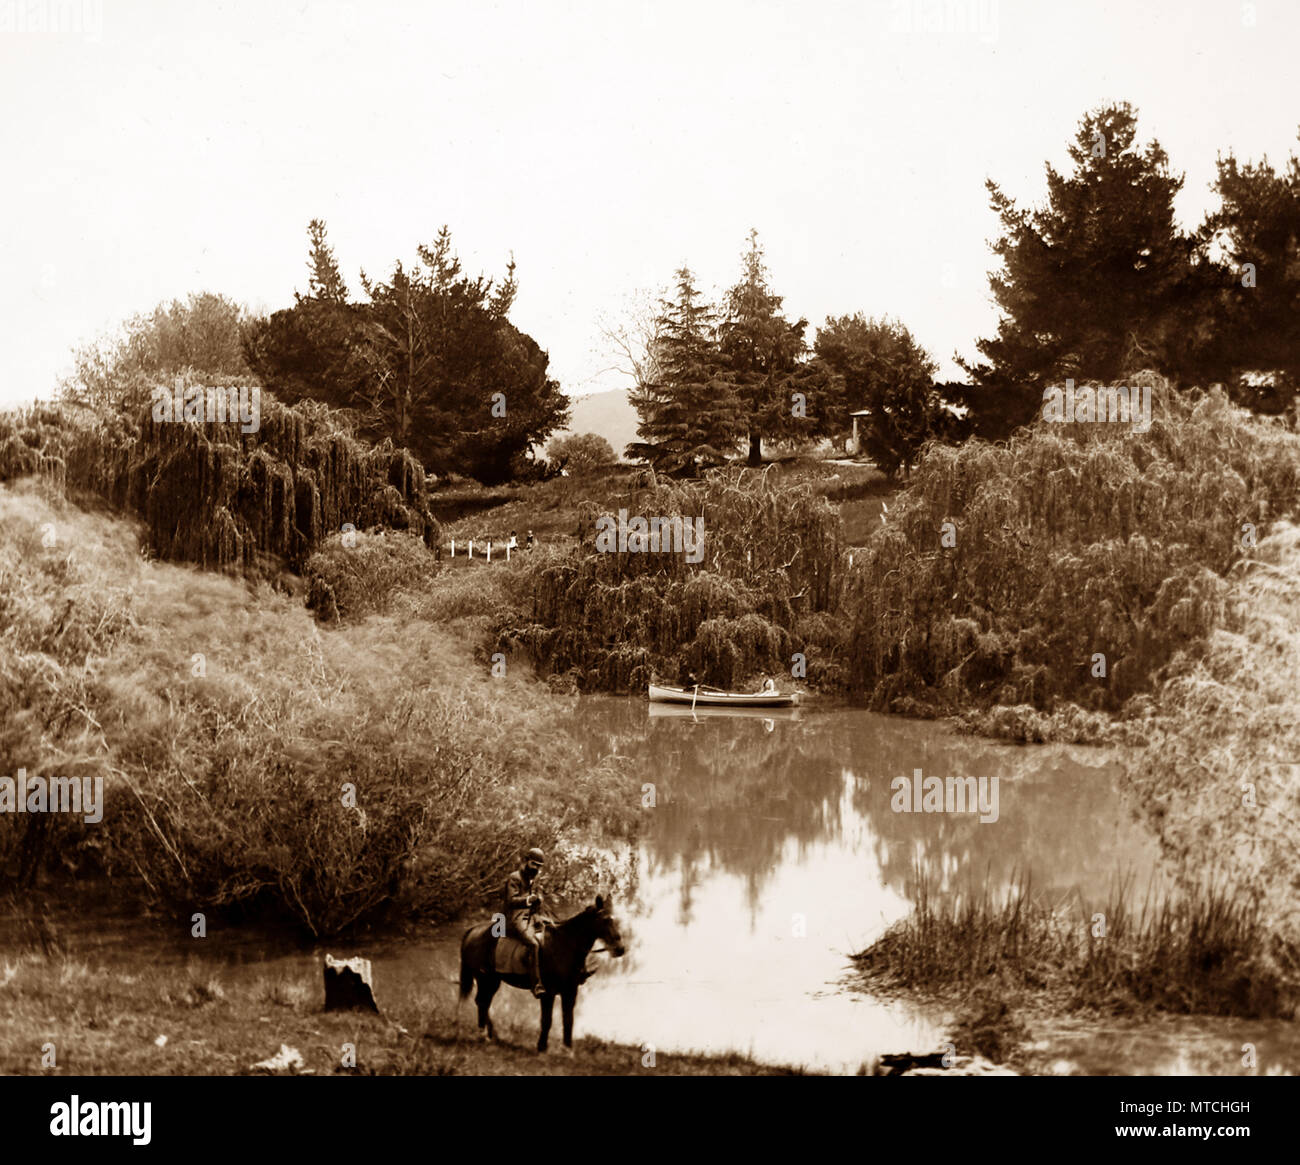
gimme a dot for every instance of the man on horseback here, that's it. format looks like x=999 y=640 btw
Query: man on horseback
x=522 y=902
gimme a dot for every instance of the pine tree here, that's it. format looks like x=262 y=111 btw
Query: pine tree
x=429 y=360
x=764 y=353
x=1259 y=319
x=690 y=413
x=1091 y=282
x=325 y=283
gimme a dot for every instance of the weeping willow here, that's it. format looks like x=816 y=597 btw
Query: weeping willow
x=1070 y=564
x=767 y=579
x=211 y=494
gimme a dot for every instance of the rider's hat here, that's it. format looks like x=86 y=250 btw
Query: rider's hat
x=534 y=855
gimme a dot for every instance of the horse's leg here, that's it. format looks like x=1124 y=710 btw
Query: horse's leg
x=548 y=1005
x=566 y=1013
x=487 y=988
x=463 y=988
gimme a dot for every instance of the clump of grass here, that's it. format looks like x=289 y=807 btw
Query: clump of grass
x=1198 y=951
x=284 y=992
x=197 y=987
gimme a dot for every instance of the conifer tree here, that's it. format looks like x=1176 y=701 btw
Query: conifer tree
x=765 y=355
x=326 y=282
x=690 y=413
x=1091 y=282
x=1258 y=323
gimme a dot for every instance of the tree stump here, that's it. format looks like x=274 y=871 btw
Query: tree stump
x=348 y=985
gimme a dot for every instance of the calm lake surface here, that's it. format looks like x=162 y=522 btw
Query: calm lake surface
x=771 y=855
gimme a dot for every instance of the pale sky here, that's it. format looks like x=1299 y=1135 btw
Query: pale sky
x=151 y=149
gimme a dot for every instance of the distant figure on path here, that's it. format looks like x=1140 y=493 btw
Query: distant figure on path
x=530 y=541
x=513 y=544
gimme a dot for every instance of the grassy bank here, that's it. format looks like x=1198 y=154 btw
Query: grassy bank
x=256 y=763
x=1000 y=966
x=194 y=1022
x=1203 y=952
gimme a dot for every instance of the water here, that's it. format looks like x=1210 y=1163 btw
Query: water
x=772 y=853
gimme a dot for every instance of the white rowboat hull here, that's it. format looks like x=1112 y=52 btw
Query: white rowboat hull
x=713 y=698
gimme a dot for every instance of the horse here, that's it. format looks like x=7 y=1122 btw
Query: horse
x=564 y=956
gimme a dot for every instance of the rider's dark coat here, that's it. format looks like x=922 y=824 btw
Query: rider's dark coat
x=517 y=892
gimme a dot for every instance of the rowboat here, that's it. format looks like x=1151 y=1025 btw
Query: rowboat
x=706 y=697
x=705 y=712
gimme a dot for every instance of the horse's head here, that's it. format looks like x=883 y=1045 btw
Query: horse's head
x=606 y=927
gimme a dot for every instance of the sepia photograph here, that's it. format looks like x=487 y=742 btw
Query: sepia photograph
x=734 y=538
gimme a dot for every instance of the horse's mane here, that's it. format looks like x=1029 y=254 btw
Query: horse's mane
x=556 y=923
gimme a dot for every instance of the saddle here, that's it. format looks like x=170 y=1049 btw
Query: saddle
x=511 y=957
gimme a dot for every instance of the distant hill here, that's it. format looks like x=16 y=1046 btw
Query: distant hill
x=607 y=414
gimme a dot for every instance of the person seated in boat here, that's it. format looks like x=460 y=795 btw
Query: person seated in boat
x=523 y=905
x=769 y=686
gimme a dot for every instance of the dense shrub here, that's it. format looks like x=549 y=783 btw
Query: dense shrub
x=1070 y=541
x=769 y=569
x=1219 y=780
x=358 y=573
x=255 y=764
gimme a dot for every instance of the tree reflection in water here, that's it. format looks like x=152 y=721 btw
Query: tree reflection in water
x=746 y=794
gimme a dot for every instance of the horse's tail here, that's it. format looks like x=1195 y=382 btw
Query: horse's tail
x=466 y=969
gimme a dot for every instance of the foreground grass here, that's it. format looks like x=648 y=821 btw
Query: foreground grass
x=105 y=1021
x=993 y=958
